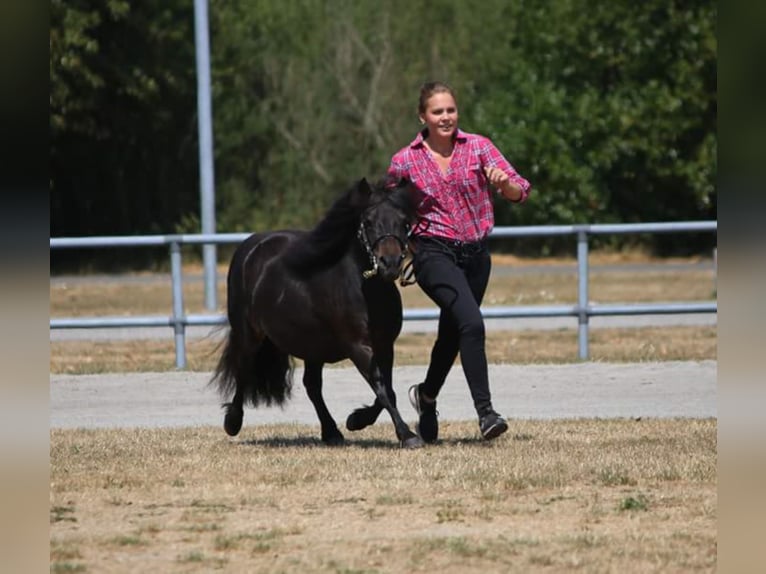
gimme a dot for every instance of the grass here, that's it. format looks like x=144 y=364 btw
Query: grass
x=589 y=495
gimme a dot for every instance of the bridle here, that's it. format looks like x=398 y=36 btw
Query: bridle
x=370 y=248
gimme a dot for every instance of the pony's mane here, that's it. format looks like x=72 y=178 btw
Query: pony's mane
x=328 y=241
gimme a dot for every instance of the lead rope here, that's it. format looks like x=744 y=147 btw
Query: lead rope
x=407 y=277
x=408 y=274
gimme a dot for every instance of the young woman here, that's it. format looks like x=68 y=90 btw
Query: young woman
x=455 y=173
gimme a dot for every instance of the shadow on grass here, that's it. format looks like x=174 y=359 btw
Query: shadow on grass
x=479 y=441
x=314 y=442
x=372 y=443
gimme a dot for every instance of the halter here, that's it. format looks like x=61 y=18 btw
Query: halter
x=370 y=249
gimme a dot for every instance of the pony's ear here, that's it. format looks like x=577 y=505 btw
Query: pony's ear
x=361 y=193
x=364 y=186
x=415 y=194
x=405 y=183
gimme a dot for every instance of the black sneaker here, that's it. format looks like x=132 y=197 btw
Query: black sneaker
x=492 y=425
x=428 y=425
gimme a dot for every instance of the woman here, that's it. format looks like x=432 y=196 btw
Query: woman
x=454 y=172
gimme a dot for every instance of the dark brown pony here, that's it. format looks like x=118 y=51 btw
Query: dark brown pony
x=323 y=296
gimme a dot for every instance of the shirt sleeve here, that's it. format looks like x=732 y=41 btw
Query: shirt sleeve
x=491 y=157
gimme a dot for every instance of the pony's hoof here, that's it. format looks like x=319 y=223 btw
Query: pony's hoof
x=361 y=418
x=413 y=442
x=232 y=422
x=334 y=439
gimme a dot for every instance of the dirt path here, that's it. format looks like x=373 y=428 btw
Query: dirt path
x=177 y=399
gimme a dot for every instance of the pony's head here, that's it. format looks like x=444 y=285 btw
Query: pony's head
x=384 y=227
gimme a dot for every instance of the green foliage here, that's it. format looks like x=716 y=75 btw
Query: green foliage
x=123 y=155
x=609 y=109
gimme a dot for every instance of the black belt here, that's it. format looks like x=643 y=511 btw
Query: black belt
x=463 y=248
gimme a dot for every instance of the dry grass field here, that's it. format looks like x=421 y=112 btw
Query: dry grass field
x=587 y=495
x=555 y=496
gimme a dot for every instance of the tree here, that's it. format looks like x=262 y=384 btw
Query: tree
x=123 y=138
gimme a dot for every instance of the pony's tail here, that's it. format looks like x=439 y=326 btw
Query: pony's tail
x=256 y=371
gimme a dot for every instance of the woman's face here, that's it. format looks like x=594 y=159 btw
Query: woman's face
x=441 y=115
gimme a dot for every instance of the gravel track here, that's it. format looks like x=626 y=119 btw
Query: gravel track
x=578 y=390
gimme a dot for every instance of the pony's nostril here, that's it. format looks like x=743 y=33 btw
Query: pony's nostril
x=390 y=260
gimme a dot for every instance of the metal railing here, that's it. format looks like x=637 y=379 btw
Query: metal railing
x=582 y=310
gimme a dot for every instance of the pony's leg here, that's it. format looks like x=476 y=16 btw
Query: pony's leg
x=364 y=416
x=312 y=380
x=366 y=364
x=368 y=414
x=232 y=421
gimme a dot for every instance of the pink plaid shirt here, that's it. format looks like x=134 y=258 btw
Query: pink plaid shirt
x=457 y=205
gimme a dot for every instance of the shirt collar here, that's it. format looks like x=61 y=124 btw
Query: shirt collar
x=460 y=136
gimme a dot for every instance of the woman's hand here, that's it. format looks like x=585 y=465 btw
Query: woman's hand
x=501 y=181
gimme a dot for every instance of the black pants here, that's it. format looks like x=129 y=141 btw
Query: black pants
x=455 y=276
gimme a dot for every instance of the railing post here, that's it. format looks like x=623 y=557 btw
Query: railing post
x=176 y=275
x=582 y=293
